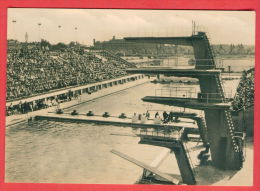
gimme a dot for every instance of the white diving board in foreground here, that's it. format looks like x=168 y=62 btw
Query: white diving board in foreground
x=147 y=167
x=157 y=162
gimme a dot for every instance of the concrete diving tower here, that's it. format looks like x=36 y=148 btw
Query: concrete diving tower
x=225 y=145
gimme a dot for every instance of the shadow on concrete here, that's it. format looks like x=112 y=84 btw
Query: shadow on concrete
x=208 y=175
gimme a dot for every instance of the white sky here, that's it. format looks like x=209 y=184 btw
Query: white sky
x=224 y=26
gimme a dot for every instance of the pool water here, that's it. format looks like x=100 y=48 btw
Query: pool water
x=58 y=152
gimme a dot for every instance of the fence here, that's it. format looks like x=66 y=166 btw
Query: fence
x=166 y=132
x=177 y=92
x=191 y=92
x=190 y=63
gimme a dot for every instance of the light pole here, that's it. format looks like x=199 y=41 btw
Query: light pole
x=14 y=22
x=26 y=37
x=39 y=24
x=76 y=35
x=59 y=33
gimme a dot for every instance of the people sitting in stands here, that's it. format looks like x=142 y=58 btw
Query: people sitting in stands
x=10 y=109
x=33 y=69
x=54 y=102
x=244 y=97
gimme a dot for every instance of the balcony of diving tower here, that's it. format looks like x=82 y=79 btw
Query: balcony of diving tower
x=208 y=99
x=170 y=71
x=192 y=103
x=190 y=97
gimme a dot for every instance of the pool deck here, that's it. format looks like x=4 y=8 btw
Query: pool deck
x=113 y=120
x=84 y=98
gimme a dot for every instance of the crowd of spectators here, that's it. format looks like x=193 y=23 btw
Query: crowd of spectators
x=33 y=70
x=245 y=91
x=24 y=107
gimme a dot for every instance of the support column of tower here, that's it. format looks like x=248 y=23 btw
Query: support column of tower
x=225 y=152
x=180 y=152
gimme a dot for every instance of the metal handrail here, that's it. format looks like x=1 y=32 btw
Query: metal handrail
x=204 y=97
x=165 y=133
x=177 y=109
x=216 y=63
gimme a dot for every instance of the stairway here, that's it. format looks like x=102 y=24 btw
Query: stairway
x=210 y=48
x=220 y=88
x=238 y=152
x=114 y=57
x=229 y=120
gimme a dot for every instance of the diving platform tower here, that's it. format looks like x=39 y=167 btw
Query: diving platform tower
x=225 y=140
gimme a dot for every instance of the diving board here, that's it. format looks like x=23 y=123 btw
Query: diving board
x=156 y=162
x=147 y=167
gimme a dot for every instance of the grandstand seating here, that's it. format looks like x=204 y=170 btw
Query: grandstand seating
x=34 y=70
x=245 y=91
